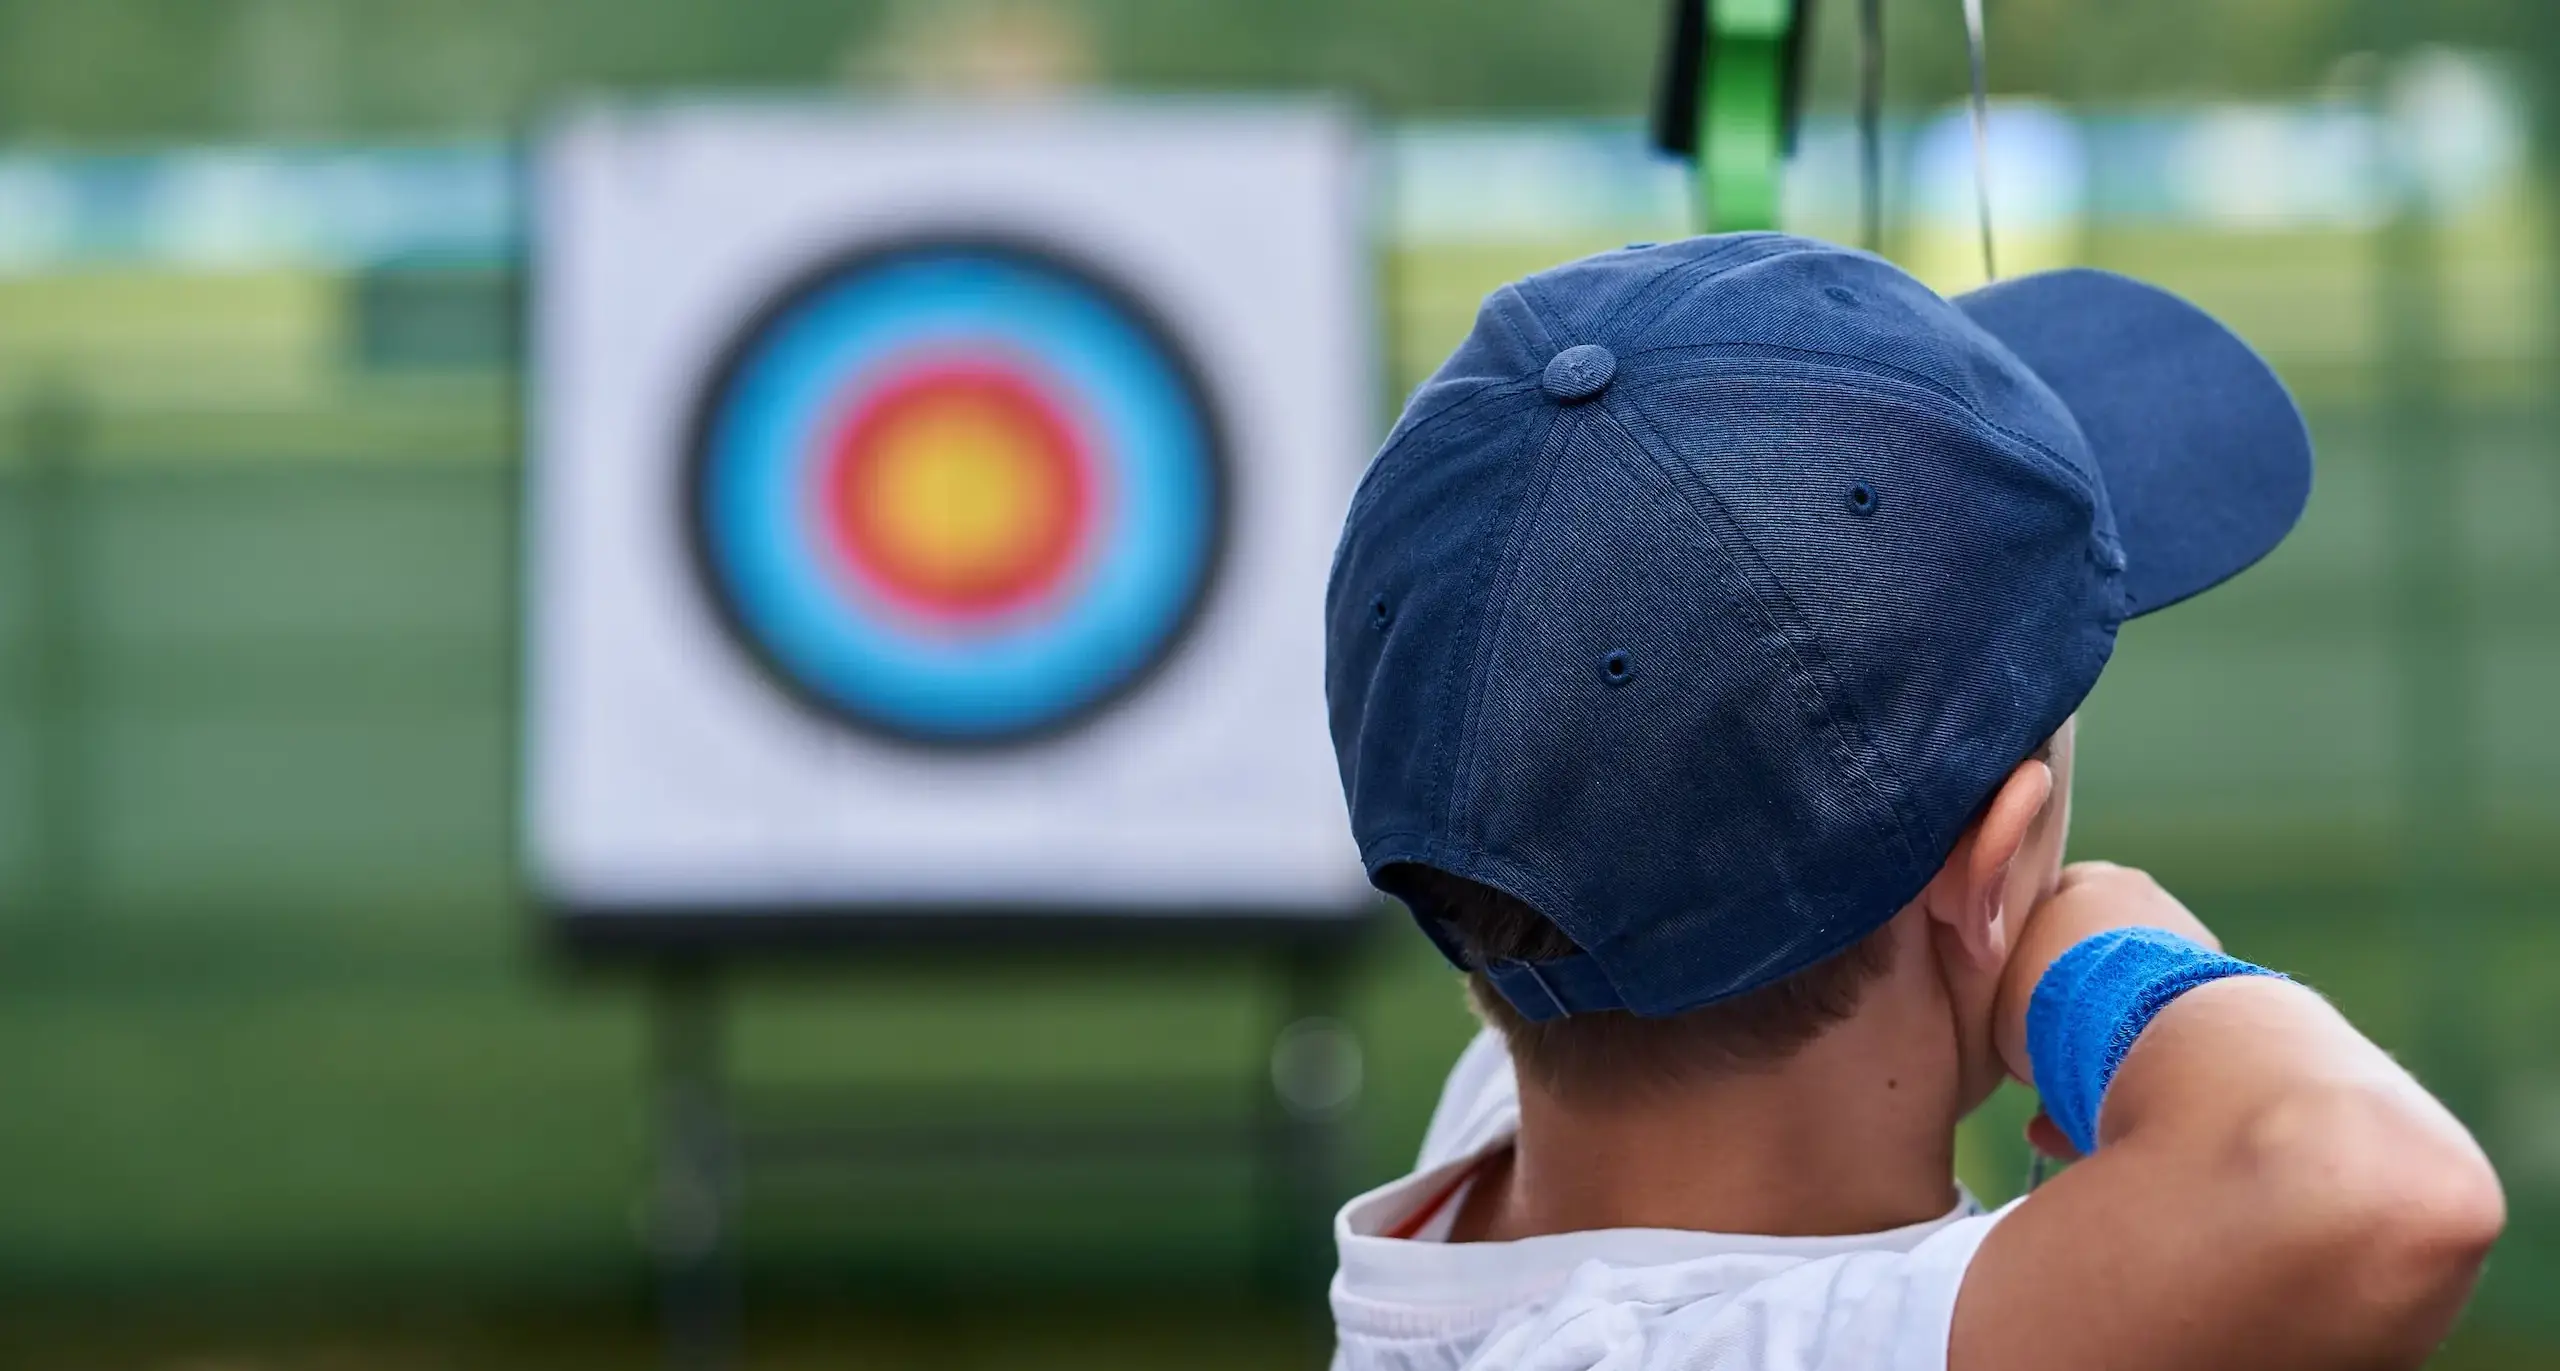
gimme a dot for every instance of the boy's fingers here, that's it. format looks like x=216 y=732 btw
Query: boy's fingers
x=2045 y=1136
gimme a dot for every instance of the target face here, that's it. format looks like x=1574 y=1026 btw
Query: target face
x=956 y=492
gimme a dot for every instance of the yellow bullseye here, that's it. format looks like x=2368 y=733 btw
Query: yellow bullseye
x=958 y=496
x=961 y=494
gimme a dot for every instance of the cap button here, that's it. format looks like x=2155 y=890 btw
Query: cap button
x=1579 y=372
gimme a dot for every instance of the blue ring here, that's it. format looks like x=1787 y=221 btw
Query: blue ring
x=761 y=432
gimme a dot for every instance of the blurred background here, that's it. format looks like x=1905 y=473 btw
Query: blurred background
x=289 y=1074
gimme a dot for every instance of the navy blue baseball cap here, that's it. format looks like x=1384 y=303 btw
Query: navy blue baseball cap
x=1709 y=590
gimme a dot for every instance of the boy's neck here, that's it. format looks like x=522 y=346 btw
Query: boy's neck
x=1855 y=1133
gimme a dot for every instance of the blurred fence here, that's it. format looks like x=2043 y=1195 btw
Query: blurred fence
x=270 y=1009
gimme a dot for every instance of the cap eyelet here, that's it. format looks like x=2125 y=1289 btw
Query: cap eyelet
x=1616 y=667
x=1863 y=498
x=1381 y=613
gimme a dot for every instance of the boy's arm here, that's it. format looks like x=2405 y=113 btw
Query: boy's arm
x=2270 y=1189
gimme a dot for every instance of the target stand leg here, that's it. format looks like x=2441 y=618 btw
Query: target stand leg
x=1315 y=1079
x=692 y=1211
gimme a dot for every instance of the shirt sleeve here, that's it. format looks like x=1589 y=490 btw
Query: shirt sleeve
x=1933 y=1275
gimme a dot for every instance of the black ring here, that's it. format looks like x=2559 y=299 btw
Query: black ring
x=693 y=514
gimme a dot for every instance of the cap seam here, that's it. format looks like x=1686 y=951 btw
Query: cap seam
x=1715 y=253
x=1866 y=366
x=1814 y=687
x=1657 y=285
x=1529 y=309
x=1448 y=775
x=1475 y=538
x=1491 y=623
x=1731 y=253
x=1399 y=446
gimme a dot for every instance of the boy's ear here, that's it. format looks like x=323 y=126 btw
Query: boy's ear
x=1971 y=891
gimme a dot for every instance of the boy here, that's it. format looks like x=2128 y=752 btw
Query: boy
x=1702 y=652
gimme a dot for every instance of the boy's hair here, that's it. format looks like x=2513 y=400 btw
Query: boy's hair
x=1614 y=1054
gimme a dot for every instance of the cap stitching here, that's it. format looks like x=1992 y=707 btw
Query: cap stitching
x=1529 y=310
x=1475 y=537
x=1810 y=683
x=1868 y=366
x=1447 y=776
x=1497 y=615
x=1722 y=254
x=1742 y=250
x=1715 y=252
x=1400 y=446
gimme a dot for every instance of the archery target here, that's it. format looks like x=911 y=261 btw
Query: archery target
x=928 y=514
x=957 y=491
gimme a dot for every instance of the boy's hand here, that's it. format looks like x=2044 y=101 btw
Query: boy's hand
x=2091 y=898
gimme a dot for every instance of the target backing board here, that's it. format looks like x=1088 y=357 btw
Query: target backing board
x=929 y=513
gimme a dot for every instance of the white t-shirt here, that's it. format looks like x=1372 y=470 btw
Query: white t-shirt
x=1625 y=1299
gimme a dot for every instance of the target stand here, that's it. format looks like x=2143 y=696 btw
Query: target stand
x=717 y=1142
x=928 y=518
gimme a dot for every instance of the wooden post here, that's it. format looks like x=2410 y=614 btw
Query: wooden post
x=693 y=1209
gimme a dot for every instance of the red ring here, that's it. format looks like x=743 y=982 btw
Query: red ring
x=855 y=521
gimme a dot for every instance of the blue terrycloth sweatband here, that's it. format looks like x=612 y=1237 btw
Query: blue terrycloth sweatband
x=2091 y=1004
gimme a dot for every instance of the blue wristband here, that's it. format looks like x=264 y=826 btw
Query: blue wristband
x=2091 y=1004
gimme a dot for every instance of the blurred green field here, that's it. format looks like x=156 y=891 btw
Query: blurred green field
x=276 y=1027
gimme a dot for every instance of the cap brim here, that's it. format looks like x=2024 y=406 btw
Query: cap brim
x=2205 y=458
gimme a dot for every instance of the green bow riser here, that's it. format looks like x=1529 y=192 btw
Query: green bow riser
x=1728 y=103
